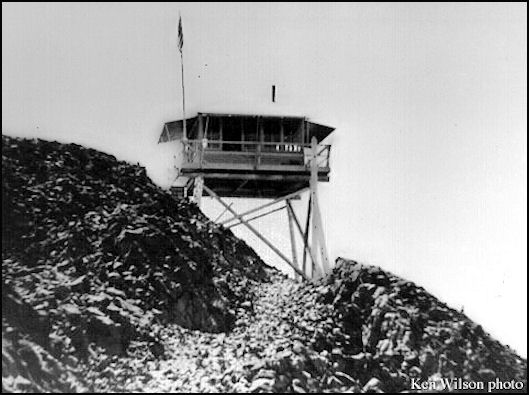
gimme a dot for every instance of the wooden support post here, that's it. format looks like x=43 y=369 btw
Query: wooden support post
x=316 y=271
x=318 y=238
x=318 y=223
x=254 y=231
x=198 y=186
x=292 y=234
x=306 y=237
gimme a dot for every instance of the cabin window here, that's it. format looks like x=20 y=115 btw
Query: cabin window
x=292 y=135
x=192 y=129
x=213 y=132
x=249 y=133
x=285 y=133
x=241 y=133
x=236 y=131
x=271 y=134
x=231 y=132
x=272 y=130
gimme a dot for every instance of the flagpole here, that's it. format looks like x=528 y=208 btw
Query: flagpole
x=181 y=47
x=183 y=96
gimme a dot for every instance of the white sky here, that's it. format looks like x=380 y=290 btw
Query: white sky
x=428 y=100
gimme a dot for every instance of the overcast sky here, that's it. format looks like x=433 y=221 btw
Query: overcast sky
x=428 y=101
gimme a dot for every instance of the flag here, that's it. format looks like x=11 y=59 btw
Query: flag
x=180 y=35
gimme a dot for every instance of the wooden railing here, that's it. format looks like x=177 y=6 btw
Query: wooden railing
x=199 y=152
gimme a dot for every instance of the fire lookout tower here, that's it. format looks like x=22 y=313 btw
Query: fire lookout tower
x=258 y=156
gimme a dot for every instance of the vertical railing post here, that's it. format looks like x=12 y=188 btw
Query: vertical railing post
x=258 y=155
x=221 y=135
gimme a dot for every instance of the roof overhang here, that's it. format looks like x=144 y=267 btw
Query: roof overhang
x=174 y=130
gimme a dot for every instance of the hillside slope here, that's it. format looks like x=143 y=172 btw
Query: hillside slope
x=112 y=284
x=100 y=254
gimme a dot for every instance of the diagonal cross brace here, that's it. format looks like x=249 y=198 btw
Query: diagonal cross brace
x=254 y=231
x=256 y=217
x=289 y=196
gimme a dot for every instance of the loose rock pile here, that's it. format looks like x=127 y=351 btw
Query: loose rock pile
x=103 y=255
x=111 y=284
x=263 y=353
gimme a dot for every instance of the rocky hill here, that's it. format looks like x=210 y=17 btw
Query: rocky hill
x=111 y=284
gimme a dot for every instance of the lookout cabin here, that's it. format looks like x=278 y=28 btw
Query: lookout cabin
x=256 y=156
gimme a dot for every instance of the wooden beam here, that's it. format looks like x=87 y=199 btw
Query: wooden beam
x=241 y=185
x=254 y=231
x=318 y=238
x=289 y=196
x=306 y=237
x=221 y=214
x=251 y=193
x=318 y=224
x=257 y=217
x=263 y=177
x=314 y=193
x=292 y=234
x=245 y=163
x=198 y=186
x=218 y=114
x=243 y=174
